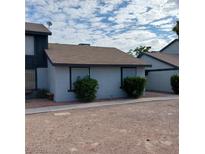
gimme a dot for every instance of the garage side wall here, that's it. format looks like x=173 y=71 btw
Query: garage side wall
x=160 y=80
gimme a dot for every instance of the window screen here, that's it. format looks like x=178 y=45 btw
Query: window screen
x=78 y=73
x=30 y=78
x=129 y=72
x=29 y=45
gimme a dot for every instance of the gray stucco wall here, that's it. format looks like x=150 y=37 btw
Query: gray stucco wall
x=160 y=80
x=42 y=78
x=173 y=48
x=62 y=85
x=51 y=77
x=109 y=79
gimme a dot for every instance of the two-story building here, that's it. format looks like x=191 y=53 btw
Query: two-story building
x=36 y=41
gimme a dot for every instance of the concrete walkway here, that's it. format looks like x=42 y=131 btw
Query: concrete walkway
x=96 y=104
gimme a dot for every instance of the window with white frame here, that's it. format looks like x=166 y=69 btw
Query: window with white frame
x=29 y=42
x=77 y=73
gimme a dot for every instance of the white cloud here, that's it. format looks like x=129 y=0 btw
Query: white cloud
x=163 y=21
x=76 y=21
x=158 y=9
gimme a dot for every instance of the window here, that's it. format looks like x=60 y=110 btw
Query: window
x=29 y=45
x=30 y=77
x=76 y=73
x=128 y=72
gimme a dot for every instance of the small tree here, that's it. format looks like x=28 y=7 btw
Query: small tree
x=86 y=89
x=176 y=28
x=49 y=23
x=139 y=50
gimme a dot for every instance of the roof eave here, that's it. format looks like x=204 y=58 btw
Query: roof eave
x=37 y=33
x=106 y=65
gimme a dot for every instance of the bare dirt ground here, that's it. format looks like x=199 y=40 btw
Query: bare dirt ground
x=141 y=128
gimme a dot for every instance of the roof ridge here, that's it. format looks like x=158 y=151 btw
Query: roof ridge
x=118 y=50
x=84 y=46
x=34 y=23
x=151 y=51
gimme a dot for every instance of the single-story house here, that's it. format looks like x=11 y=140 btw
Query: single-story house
x=165 y=63
x=62 y=64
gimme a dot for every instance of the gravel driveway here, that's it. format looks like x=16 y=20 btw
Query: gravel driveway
x=141 y=128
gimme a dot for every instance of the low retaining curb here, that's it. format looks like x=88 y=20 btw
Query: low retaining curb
x=96 y=104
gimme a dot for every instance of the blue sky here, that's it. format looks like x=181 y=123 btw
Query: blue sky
x=124 y=24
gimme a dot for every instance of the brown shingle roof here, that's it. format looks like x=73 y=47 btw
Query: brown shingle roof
x=90 y=55
x=36 y=28
x=172 y=59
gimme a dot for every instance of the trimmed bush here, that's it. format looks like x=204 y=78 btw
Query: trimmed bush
x=134 y=86
x=86 y=89
x=174 y=80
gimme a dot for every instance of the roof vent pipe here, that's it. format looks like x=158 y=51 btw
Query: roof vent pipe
x=86 y=44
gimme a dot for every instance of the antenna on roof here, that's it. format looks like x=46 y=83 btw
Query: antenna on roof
x=49 y=23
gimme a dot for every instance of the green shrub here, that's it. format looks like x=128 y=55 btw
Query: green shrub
x=41 y=93
x=175 y=83
x=86 y=89
x=134 y=86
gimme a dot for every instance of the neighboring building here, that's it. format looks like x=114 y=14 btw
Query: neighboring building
x=36 y=40
x=165 y=63
x=62 y=64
